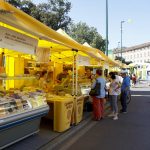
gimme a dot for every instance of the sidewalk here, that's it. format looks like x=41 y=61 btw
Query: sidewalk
x=142 y=84
x=86 y=123
x=130 y=132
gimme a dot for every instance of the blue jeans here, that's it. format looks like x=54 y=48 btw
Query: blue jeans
x=124 y=100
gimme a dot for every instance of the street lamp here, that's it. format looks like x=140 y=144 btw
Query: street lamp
x=121 y=40
x=106 y=42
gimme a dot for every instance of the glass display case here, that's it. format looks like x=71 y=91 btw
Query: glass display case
x=20 y=113
x=12 y=106
x=16 y=103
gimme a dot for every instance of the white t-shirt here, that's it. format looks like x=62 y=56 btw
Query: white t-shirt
x=119 y=79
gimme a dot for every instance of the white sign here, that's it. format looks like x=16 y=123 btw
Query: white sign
x=83 y=61
x=16 y=41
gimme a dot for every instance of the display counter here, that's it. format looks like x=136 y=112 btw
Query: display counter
x=20 y=116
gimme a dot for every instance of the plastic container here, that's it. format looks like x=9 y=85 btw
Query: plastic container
x=79 y=109
x=62 y=107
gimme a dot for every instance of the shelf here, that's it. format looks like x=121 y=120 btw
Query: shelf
x=16 y=78
x=29 y=67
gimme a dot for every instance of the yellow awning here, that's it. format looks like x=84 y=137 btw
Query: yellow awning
x=90 y=51
x=20 y=20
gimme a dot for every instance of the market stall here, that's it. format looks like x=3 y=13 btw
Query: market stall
x=61 y=50
x=21 y=108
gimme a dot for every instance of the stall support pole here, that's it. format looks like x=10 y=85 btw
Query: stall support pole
x=76 y=74
x=76 y=89
x=73 y=74
x=74 y=81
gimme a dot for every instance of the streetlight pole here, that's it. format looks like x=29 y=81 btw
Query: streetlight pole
x=106 y=42
x=118 y=48
x=121 y=40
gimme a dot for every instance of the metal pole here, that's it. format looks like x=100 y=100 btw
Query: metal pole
x=73 y=93
x=118 y=48
x=121 y=40
x=106 y=43
x=76 y=81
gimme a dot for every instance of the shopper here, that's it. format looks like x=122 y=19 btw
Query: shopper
x=114 y=91
x=62 y=75
x=125 y=87
x=98 y=101
x=88 y=74
x=134 y=79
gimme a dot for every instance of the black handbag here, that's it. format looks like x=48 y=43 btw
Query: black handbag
x=96 y=90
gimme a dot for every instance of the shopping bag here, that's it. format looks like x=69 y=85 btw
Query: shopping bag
x=96 y=90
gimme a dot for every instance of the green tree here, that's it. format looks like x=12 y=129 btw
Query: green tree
x=54 y=13
x=82 y=33
x=16 y=3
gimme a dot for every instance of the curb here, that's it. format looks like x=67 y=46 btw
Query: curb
x=51 y=145
x=85 y=124
x=141 y=87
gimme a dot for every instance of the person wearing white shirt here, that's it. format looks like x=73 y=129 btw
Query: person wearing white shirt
x=118 y=77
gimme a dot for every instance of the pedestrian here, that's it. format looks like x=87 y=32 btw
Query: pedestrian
x=98 y=101
x=125 y=87
x=114 y=91
x=134 y=79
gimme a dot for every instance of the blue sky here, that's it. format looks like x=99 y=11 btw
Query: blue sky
x=93 y=13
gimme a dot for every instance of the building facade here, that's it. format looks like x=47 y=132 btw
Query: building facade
x=136 y=54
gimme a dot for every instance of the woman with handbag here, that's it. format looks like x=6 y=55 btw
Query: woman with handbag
x=98 y=100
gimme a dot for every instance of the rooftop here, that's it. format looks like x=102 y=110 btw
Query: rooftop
x=136 y=47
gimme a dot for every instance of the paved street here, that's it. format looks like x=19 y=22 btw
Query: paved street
x=130 y=132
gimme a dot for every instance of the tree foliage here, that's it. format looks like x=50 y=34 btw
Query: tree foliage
x=82 y=33
x=16 y=3
x=54 y=13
